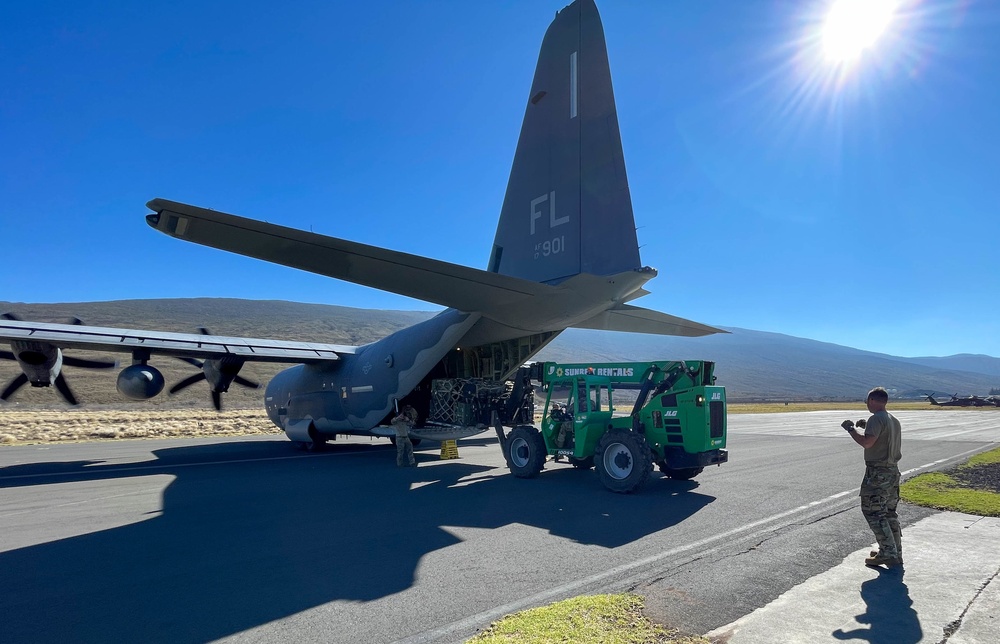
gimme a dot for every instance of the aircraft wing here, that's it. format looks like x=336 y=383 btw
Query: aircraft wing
x=430 y=280
x=170 y=344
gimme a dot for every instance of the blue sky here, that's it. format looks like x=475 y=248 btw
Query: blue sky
x=773 y=189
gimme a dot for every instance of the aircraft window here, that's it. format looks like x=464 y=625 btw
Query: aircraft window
x=565 y=401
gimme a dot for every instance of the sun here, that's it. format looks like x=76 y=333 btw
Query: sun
x=851 y=26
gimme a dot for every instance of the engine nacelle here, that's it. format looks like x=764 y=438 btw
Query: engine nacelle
x=140 y=382
x=40 y=362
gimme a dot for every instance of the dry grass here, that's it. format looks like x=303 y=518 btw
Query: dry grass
x=20 y=426
x=590 y=619
x=24 y=427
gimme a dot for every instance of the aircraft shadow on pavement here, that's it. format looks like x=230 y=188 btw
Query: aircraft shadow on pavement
x=890 y=615
x=256 y=541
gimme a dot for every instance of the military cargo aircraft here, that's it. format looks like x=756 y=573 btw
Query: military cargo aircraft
x=565 y=254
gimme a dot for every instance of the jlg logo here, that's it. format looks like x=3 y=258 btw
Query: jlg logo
x=717 y=395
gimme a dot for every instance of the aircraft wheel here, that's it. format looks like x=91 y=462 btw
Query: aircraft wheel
x=526 y=452
x=624 y=460
x=681 y=474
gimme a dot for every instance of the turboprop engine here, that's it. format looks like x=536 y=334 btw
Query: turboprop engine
x=41 y=366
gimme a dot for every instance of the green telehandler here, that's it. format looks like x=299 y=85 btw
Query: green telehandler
x=678 y=422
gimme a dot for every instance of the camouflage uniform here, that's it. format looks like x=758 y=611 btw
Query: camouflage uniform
x=880 y=487
x=879 y=497
x=401 y=424
x=562 y=416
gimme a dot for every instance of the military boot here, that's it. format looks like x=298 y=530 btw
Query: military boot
x=875 y=553
x=877 y=559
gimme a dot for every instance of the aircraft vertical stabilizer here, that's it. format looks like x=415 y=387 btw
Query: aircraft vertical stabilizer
x=567 y=209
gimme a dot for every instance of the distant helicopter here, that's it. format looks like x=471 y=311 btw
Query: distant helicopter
x=966 y=401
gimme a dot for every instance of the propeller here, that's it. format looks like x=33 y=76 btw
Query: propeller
x=17 y=318
x=14 y=384
x=41 y=364
x=219 y=372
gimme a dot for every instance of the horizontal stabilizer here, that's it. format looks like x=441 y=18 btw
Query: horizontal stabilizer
x=430 y=280
x=632 y=319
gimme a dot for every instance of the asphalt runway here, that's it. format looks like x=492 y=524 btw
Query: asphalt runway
x=247 y=540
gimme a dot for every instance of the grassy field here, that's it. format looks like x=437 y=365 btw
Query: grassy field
x=972 y=488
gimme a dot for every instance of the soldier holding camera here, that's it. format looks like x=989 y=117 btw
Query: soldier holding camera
x=880 y=487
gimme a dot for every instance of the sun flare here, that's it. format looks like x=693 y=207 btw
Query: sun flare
x=851 y=26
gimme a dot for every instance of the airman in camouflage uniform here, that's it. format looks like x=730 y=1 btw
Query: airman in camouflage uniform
x=880 y=487
x=402 y=423
x=562 y=415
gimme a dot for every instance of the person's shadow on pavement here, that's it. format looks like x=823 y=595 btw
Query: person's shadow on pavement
x=890 y=613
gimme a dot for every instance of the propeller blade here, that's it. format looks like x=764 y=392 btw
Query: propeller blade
x=88 y=364
x=191 y=361
x=64 y=389
x=187 y=382
x=240 y=380
x=7 y=355
x=217 y=400
x=14 y=385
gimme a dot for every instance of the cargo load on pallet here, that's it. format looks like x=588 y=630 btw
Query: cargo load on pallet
x=466 y=401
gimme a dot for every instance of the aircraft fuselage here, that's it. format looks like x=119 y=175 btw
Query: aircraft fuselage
x=357 y=393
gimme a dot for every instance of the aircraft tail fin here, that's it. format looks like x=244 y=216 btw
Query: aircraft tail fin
x=567 y=209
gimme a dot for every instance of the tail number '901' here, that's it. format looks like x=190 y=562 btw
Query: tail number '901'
x=552 y=246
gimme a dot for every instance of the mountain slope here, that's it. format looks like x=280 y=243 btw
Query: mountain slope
x=757 y=365
x=753 y=365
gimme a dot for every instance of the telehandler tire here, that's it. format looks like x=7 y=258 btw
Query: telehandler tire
x=525 y=452
x=624 y=461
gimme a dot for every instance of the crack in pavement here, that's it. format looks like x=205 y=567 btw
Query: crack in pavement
x=953 y=627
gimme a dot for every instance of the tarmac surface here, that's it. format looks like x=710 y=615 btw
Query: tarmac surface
x=247 y=540
x=947 y=592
